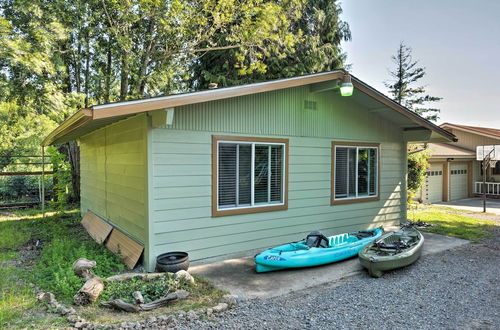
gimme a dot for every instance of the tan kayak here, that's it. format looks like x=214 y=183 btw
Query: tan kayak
x=392 y=250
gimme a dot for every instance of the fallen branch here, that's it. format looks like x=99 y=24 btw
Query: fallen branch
x=127 y=307
x=177 y=295
x=121 y=306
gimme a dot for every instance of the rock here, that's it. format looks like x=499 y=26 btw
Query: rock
x=62 y=310
x=170 y=319
x=240 y=299
x=220 y=308
x=151 y=320
x=230 y=300
x=80 y=324
x=47 y=297
x=73 y=318
x=210 y=311
x=184 y=274
x=192 y=315
x=181 y=314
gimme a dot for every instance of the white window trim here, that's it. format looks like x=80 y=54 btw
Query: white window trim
x=252 y=176
x=357 y=147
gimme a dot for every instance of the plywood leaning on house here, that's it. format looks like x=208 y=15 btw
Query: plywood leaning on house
x=97 y=228
x=126 y=247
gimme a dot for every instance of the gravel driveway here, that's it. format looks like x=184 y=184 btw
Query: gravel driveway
x=456 y=289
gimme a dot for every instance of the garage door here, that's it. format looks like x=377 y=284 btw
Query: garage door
x=433 y=191
x=458 y=181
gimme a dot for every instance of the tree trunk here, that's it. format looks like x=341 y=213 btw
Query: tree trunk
x=107 y=79
x=87 y=67
x=89 y=292
x=72 y=153
x=124 y=77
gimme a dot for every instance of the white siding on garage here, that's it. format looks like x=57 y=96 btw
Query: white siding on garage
x=458 y=181
x=433 y=189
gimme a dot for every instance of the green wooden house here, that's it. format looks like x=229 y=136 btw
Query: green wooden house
x=224 y=171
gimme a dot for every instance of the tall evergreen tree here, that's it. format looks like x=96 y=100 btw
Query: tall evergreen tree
x=318 y=32
x=402 y=87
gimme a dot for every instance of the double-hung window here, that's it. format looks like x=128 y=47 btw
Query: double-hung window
x=355 y=172
x=249 y=175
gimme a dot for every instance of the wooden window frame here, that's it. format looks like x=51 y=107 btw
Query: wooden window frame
x=341 y=201
x=254 y=209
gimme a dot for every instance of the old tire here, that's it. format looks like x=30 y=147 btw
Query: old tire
x=172 y=262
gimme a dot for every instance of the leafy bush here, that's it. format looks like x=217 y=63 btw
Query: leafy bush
x=63 y=188
x=54 y=268
x=417 y=168
x=20 y=188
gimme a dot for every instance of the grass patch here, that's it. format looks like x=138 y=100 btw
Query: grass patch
x=42 y=251
x=13 y=236
x=15 y=298
x=455 y=225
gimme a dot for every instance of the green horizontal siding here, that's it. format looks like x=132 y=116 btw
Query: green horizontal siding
x=180 y=201
x=113 y=175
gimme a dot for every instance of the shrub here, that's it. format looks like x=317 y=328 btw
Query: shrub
x=151 y=290
x=417 y=169
x=54 y=268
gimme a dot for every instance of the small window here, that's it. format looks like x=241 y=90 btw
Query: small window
x=355 y=172
x=249 y=175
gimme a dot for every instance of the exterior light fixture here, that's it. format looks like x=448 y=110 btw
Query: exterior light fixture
x=346 y=88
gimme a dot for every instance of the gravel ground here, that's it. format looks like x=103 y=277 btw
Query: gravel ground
x=456 y=289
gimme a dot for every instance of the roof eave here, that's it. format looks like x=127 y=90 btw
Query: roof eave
x=468 y=130
x=79 y=118
x=365 y=88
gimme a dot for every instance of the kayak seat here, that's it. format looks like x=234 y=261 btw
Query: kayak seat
x=316 y=239
x=338 y=239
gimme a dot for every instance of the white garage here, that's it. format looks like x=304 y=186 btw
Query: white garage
x=458 y=181
x=433 y=189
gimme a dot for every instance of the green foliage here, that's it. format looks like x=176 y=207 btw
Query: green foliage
x=451 y=223
x=151 y=289
x=405 y=74
x=418 y=166
x=63 y=187
x=53 y=269
x=309 y=42
x=63 y=241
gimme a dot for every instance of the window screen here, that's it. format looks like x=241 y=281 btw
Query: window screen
x=250 y=174
x=356 y=171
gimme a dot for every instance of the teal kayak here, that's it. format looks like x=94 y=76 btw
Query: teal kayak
x=315 y=250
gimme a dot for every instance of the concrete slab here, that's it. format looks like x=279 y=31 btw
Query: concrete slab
x=238 y=275
x=474 y=205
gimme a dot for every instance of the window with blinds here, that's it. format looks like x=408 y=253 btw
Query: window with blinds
x=250 y=174
x=355 y=172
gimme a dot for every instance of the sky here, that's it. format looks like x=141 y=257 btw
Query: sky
x=457 y=41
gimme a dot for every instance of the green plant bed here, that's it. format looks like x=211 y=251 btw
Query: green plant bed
x=151 y=289
x=452 y=224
